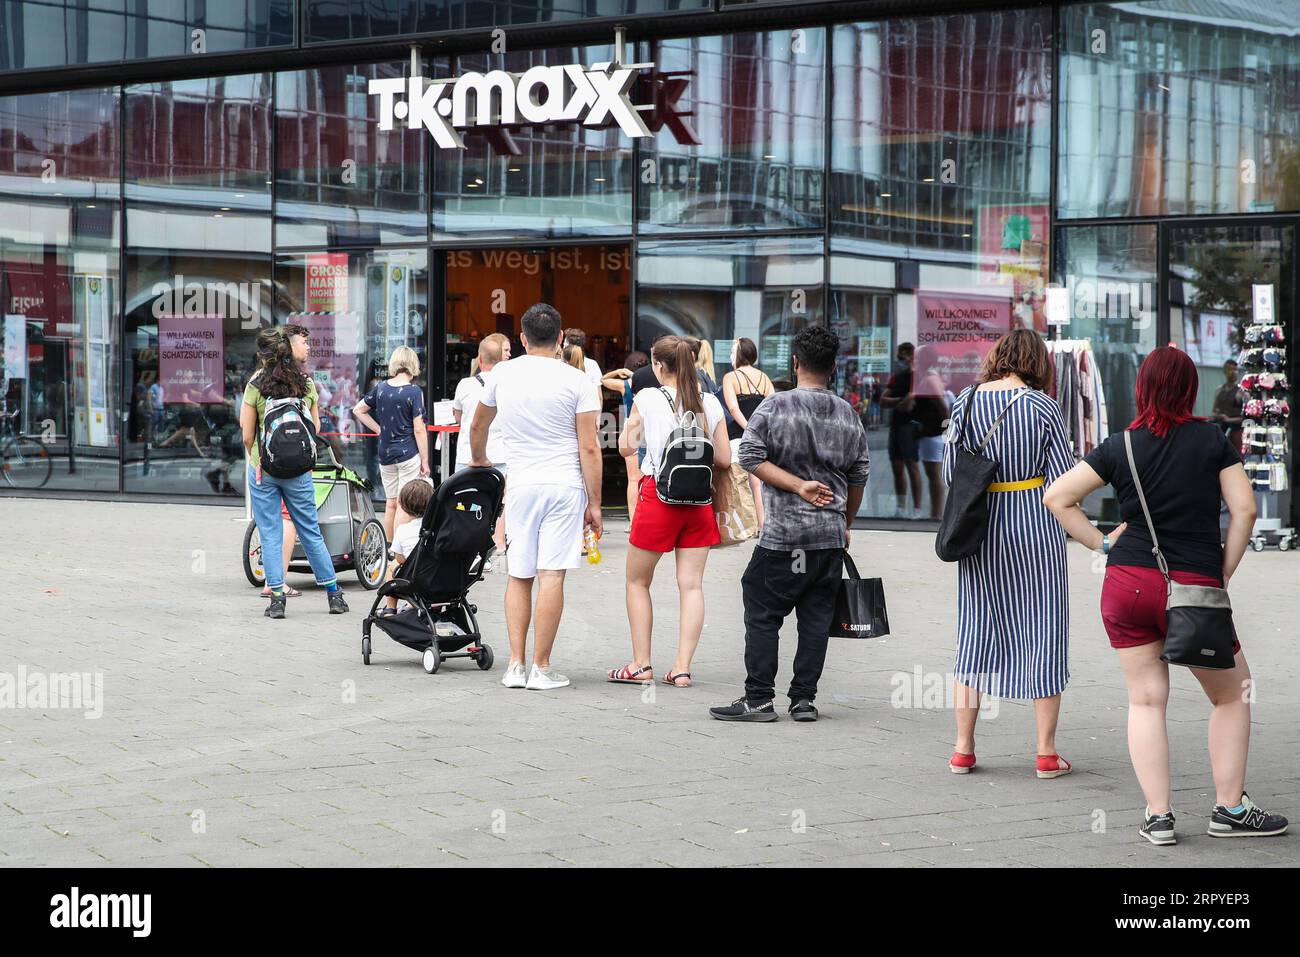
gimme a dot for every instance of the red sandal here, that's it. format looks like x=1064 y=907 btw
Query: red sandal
x=961 y=763
x=1053 y=766
x=626 y=676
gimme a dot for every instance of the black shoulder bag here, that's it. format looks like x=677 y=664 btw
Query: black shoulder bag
x=1199 y=632
x=966 y=513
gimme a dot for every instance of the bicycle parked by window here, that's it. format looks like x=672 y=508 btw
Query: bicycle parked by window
x=24 y=461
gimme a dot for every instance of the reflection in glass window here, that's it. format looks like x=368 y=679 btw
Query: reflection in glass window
x=1180 y=110
x=740 y=136
x=60 y=234
x=552 y=180
x=52 y=33
x=940 y=221
x=940 y=128
x=199 y=283
x=760 y=289
x=351 y=19
x=1109 y=277
x=341 y=179
x=357 y=308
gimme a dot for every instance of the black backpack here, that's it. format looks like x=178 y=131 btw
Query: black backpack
x=286 y=442
x=685 y=474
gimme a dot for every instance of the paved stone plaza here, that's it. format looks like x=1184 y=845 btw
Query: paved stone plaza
x=228 y=739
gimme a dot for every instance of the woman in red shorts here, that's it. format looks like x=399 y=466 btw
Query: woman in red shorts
x=688 y=530
x=1187 y=467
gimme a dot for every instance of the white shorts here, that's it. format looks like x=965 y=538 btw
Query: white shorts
x=544 y=528
x=398 y=474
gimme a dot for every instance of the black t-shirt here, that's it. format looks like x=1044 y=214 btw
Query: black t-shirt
x=900 y=387
x=1180 y=476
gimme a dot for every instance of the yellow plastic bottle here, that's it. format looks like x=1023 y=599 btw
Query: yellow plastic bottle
x=593 y=547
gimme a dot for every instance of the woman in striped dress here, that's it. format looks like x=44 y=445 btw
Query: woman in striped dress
x=1012 y=602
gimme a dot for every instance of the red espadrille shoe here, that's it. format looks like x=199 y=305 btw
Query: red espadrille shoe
x=1052 y=766
x=961 y=763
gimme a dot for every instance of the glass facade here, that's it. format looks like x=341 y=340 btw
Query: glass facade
x=544 y=181
x=739 y=133
x=1198 y=105
x=335 y=20
x=37 y=34
x=932 y=179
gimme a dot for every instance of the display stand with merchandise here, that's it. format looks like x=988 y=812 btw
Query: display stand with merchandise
x=1266 y=407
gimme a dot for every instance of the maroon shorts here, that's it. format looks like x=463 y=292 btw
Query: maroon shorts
x=659 y=527
x=1133 y=604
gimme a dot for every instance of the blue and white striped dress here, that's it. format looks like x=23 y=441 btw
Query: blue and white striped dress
x=1013 y=607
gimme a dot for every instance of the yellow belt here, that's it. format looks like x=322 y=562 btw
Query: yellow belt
x=1018 y=486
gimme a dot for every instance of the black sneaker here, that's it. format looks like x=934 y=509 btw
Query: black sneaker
x=803 y=710
x=275 y=609
x=743 y=710
x=337 y=605
x=1159 y=828
x=1253 y=821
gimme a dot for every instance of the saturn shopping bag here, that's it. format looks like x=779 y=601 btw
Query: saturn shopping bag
x=859 y=606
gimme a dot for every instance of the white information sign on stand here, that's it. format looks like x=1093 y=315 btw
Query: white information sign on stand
x=1262 y=303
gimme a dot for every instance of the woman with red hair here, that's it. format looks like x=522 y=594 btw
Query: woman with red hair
x=1187 y=467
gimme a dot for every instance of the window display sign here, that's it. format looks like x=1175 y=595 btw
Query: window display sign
x=191 y=353
x=336 y=343
x=327 y=282
x=959 y=330
x=873 y=351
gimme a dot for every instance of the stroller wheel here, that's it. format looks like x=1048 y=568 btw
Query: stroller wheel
x=365 y=650
x=485 y=658
x=432 y=659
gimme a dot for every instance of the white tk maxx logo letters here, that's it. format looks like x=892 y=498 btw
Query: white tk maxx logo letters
x=543 y=94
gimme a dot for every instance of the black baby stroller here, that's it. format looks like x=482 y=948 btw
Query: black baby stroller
x=455 y=541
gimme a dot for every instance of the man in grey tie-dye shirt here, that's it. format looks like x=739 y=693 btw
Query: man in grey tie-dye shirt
x=809 y=449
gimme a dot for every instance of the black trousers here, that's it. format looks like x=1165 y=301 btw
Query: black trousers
x=775 y=584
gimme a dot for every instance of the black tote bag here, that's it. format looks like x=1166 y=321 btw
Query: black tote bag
x=1198 y=618
x=966 y=513
x=859 y=606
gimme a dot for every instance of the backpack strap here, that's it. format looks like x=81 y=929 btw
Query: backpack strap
x=672 y=403
x=478 y=377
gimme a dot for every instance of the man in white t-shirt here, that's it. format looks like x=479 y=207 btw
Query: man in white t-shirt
x=546 y=412
x=492 y=350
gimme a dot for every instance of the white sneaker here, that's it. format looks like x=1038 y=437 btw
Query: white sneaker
x=515 y=677
x=545 y=679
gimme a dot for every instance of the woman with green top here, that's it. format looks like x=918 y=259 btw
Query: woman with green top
x=280 y=355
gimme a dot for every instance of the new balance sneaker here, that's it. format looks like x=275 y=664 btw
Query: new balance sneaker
x=275 y=608
x=803 y=710
x=1159 y=828
x=515 y=676
x=743 y=710
x=545 y=679
x=1250 y=821
x=337 y=605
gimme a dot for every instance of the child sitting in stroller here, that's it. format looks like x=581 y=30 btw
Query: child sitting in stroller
x=412 y=502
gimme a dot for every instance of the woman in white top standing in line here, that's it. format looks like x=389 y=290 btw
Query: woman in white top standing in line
x=657 y=527
x=743 y=389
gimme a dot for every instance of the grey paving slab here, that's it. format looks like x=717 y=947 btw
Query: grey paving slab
x=226 y=739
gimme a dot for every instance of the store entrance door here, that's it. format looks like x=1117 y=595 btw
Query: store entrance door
x=1231 y=304
x=488 y=290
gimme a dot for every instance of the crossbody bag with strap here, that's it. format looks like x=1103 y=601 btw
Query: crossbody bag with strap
x=1199 y=632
